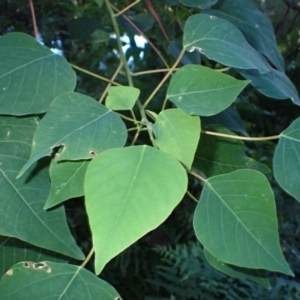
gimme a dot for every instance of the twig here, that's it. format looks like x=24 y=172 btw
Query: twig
x=35 y=32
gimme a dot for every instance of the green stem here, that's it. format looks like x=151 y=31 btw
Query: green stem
x=87 y=259
x=151 y=72
x=197 y=176
x=191 y=196
x=132 y=120
x=243 y=138
x=165 y=78
x=126 y=8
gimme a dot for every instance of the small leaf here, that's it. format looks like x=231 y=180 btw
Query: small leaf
x=129 y=192
x=235 y=220
x=121 y=97
x=13 y=251
x=258 y=276
x=177 y=134
x=49 y=280
x=199 y=3
x=221 y=41
x=81 y=125
x=256 y=27
x=220 y=155
x=199 y=90
x=21 y=206
x=67 y=179
x=286 y=160
x=274 y=84
x=31 y=76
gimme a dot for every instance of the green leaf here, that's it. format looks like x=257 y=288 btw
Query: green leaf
x=67 y=180
x=143 y=21
x=274 y=84
x=286 y=162
x=81 y=125
x=255 y=26
x=258 y=276
x=31 y=76
x=199 y=3
x=121 y=97
x=21 y=207
x=49 y=280
x=221 y=41
x=188 y=57
x=235 y=220
x=129 y=192
x=199 y=90
x=87 y=30
x=177 y=134
x=13 y=251
x=220 y=155
x=228 y=118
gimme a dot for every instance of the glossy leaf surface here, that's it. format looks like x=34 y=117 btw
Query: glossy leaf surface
x=258 y=276
x=235 y=220
x=220 y=155
x=177 y=134
x=135 y=190
x=121 y=97
x=221 y=41
x=31 y=76
x=199 y=90
x=49 y=280
x=81 y=125
x=67 y=180
x=21 y=206
x=286 y=160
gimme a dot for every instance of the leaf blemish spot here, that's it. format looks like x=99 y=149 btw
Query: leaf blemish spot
x=212 y=17
x=93 y=153
x=118 y=298
x=9 y=272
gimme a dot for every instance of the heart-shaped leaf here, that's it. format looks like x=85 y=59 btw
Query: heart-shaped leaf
x=199 y=90
x=81 y=125
x=49 y=280
x=177 y=134
x=221 y=41
x=129 y=192
x=31 y=76
x=235 y=220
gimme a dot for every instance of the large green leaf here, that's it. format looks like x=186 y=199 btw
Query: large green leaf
x=258 y=276
x=21 y=207
x=81 y=125
x=48 y=280
x=235 y=220
x=67 y=179
x=286 y=161
x=199 y=3
x=31 y=76
x=228 y=118
x=13 y=251
x=177 y=134
x=255 y=26
x=121 y=97
x=221 y=41
x=129 y=192
x=199 y=90
x=274 y=84
x=220 y=155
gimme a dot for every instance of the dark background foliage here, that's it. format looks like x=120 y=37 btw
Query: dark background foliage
x=169 y=263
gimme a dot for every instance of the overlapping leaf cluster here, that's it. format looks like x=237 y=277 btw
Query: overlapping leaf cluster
x=57 y=144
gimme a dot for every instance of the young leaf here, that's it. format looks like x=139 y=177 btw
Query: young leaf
x=81 y=125
x=49 y=280
x=21 y=206
x=121 y=97
x=31 y=76
x=199 y=3
x=286 y=160
x=220 y=155
x=177 y=134
x=67 y=179
x=255 y=26
x=199 y=90
x=256 y=275
x=235 y=220
x=13 y=251
x=274 y=84
x=129 y=192
x=221 y=41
